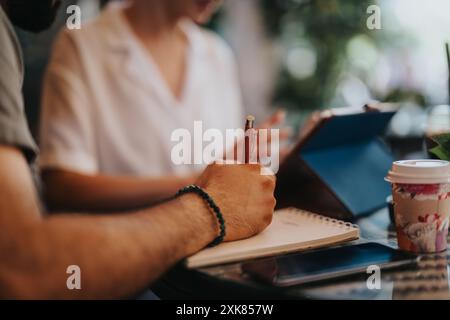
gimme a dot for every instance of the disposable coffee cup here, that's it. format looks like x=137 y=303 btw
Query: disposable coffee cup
x=421 y=199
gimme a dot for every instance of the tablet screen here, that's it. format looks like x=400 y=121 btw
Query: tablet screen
x=327 y=263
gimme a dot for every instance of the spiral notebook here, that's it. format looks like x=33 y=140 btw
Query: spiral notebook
x=291 y=230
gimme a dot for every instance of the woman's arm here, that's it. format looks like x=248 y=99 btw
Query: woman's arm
x=71 y=191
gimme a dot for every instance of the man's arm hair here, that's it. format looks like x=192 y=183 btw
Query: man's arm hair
x=118 y=255
x=100 y=193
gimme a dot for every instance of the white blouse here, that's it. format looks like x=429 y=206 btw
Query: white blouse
x=106 y=108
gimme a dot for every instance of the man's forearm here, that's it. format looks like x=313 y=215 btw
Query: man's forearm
x=107 y=193
x=134 y=248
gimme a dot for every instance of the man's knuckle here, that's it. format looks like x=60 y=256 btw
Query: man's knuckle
x=270 y=184
x=267 y=183
x=268 y=218
x=273 y=202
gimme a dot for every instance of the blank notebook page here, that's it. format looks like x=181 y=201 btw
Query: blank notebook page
x=291 y=230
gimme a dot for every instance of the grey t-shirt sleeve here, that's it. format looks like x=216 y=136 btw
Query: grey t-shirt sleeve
x=14 y=130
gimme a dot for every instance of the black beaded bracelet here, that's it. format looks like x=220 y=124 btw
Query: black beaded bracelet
x=205 y=196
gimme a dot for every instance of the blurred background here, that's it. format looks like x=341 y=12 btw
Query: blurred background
x=306 y=55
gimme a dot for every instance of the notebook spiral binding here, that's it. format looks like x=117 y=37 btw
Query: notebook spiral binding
x=327 y=220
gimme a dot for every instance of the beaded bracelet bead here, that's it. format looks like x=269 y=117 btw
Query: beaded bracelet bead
x=207 y=198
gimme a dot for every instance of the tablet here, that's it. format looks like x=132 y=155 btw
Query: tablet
x=327 y=264
x=341 y=157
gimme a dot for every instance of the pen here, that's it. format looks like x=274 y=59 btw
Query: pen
x=447 y=50
x=249 y=124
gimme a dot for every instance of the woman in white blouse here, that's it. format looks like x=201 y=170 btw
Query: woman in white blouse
x=114 y=93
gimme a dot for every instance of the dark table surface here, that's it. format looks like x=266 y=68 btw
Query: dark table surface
x=429 y=279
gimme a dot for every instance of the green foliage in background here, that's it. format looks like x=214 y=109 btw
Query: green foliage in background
x=442 y=150
x=325 y=28
x=325 y=25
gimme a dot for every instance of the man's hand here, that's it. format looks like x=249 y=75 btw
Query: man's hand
x=244 y=196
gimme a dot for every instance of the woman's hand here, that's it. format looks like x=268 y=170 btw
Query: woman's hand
x=273 y=122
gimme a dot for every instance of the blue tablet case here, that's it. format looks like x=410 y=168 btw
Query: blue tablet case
x=347 y=154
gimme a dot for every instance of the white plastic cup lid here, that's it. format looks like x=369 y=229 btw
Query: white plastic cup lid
x=419 y=172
